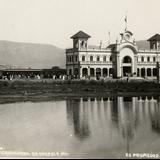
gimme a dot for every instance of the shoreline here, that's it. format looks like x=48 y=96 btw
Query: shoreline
x=4 y=99
x=36 y=91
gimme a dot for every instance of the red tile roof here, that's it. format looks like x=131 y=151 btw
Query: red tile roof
x=80 y=34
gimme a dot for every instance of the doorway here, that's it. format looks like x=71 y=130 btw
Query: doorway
x=127 y=71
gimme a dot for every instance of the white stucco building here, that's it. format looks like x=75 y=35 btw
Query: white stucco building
x=124 y=58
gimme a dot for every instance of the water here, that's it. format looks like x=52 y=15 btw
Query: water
x=82 y=128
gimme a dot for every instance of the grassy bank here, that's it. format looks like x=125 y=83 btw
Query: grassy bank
x=45 y=90
x=24 y=87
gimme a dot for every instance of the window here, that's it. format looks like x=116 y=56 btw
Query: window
x=148 y=59
x=76 y=58
x=98 y=58
x=83 y=58
x=142 y=59
x=154 y=59
x=127 y=59
x=68 y=58
x=91 y=58
x=104 y=58
x=110 y=58
x=71 y=58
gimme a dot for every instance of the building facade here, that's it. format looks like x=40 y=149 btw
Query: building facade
x=120 y=59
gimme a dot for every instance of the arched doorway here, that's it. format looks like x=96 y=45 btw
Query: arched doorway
x=111 y=72
x=105 y=72
x=127 y=66
x=154 y=72
x=98 y=73
x=149 y=72
x=76 y=72
x=143 y=72
x=84 y=72
x=92 y=72
x=70 y=72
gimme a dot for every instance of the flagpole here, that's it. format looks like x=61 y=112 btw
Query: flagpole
x=126 y=22
x=109 y=38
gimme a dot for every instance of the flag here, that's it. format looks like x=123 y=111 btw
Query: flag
x=126 y=19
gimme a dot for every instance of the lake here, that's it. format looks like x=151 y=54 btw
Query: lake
x=105 y=127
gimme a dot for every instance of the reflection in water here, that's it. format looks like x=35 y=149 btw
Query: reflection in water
x=92 y=127
x=123 y=113
x=155 y=116
x=77 y=113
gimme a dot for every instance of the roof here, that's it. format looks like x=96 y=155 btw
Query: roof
x=81 y=34
x=21 y=70
x=156 y=37
x=111 y=46
x=143 y=45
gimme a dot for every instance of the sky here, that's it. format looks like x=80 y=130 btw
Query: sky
x=55 y=21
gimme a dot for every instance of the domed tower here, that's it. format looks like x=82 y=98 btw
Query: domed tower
x=125 y=56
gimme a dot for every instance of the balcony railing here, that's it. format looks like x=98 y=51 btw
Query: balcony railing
x=70 y=50
x=96 y=62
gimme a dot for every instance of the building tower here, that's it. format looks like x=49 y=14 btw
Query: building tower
x=154 y=42
x=80 y=41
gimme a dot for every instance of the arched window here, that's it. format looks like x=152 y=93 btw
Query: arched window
x=154 y=59
x=110 y=59
x=82 y=44
x=98 y=58
x=127 y=59
x=83 y=58
x=142 y=59
x=104 y=58
x=148 y=59
x=91 y=58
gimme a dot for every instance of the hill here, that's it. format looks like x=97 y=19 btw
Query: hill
x=30 y=55
x=25 y=55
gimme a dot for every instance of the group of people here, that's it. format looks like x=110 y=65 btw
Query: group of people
x=11 y=77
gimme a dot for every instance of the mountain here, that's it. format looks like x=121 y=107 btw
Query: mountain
x=38 y=56
x=25 y=55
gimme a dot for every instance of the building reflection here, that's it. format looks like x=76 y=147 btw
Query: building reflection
x=128 y=118
x=77 y=117
x=121 y=115
x=155 y=115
